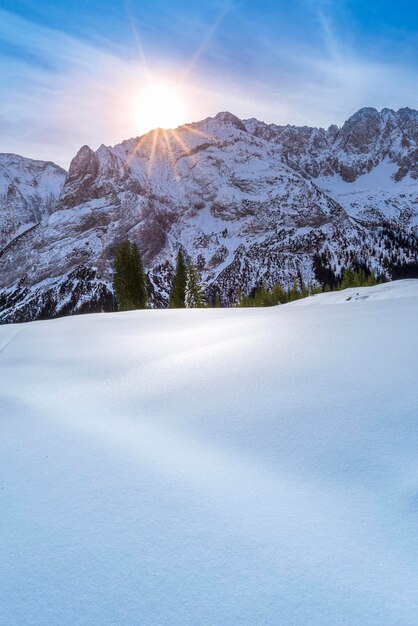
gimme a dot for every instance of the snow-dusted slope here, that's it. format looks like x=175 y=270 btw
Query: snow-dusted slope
x=28 y=193
x=248 y=202
x=213 y=466
x=376 y=197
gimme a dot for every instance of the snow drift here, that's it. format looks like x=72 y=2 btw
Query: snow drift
x=213 y=466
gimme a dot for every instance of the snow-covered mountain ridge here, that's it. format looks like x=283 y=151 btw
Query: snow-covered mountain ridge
x=365 y=140
x=249 y=202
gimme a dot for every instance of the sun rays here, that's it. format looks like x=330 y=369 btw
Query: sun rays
x=159 y=104
x=161 y=107
x=173 y=144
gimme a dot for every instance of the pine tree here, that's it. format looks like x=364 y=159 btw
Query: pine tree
x=217 y=303
x=246 y=301
x=372 y=280
x=304 y=289
x=278 y=295
x=354 y=278
x=262 y=296
x=293 y=293
x=178 y=289
x=314 y=289
x=194 y=296
x=128 y=278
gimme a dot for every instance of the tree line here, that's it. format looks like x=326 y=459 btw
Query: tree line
x=262 y=296
x=130 y=285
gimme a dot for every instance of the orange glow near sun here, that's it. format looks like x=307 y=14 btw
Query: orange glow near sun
x=158 y=105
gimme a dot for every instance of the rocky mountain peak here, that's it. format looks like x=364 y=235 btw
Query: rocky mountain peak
x=361 y=130
x=83 y=164
x=225 y=117
x=80 y=178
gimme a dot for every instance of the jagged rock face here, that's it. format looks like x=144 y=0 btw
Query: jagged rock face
x=303 y=148
x=249 y=203
x=29 y=191
x=366 y=139
x=94 y=175
x=79 y=291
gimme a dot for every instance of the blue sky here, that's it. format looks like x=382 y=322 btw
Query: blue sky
x=70 y=71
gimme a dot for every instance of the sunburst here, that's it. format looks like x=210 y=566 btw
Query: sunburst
x=161 y=104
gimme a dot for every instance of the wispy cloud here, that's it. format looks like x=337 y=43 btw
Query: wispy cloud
x=59 y=92
x=326 y=81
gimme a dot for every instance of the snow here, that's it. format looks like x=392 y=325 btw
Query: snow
x=28 y=192
x=375 y=191
x=380 y=178
x=30 y=176
x=241 y=466
x=385 y=291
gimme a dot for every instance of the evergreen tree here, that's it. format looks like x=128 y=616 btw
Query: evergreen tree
x=277 y=295
x=293 y=293
x=304 y=289
x=314 y=289
x=194 y=295
x=354 y=278
x=262 y=296
x=217 y=304
x=178 y=289
x=128 y=278
x=372 y=280
x=323 y=272
x=246 y=301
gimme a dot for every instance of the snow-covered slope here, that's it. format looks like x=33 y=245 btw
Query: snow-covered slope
x=248 y=202
x=376 y=197
x=28 y=193
x=132 y=493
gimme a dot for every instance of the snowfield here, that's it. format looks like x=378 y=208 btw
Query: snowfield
x=213 y=467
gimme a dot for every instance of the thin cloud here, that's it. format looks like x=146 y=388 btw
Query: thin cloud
x=60 y=92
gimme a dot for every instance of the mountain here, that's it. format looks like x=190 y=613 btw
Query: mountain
x=29 y=191
x=249 y=203
x=365 y=140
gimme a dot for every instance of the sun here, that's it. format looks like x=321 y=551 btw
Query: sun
x=158 y=105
